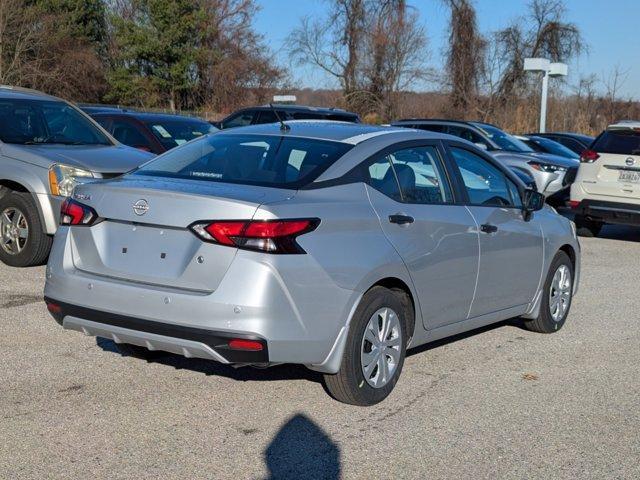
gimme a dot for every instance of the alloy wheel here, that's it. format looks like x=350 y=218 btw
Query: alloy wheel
x=560 y=293
x=381 y=347
x=14 y=231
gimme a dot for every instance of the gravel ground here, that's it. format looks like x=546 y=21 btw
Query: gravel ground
x=496 y=403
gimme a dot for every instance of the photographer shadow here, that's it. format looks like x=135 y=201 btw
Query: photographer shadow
x=301 y=449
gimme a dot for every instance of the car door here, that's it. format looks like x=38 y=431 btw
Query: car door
x=411 y=192
x=511 y=245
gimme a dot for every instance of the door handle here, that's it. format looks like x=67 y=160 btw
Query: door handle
x=401 y=219
x=487 y=228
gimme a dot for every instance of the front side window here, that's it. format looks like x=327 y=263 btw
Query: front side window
x=486 y=184
x=467 y=134
x=266 y=160
x=240 y=120
x=30 y=122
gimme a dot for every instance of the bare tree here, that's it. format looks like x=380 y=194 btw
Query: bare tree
x=612 y=84
x=542 y=33
x=374 y=49
x=465 y=55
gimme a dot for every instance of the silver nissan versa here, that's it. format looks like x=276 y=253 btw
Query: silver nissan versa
x=332 y=245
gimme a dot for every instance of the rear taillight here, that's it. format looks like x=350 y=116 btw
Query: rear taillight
x=76 y=213
x=589 y=156
x=272 y=236
x=573 y=204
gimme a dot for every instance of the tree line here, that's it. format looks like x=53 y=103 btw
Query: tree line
x=204 y=55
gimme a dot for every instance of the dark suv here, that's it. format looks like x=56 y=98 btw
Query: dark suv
x=151 y=132
x=266 y=114
x=573 y=141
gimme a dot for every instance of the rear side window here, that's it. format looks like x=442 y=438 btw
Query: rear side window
x=430 y=128
x=266 y=160
x=623 y=142
x=418 y=173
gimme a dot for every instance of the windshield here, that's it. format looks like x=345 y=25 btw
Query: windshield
x=266 y=160
x=549 y=146
x=30 y=122
x=174 y=132
x=503 y=139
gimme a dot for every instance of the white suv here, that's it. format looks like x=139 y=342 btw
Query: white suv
x=607 y=186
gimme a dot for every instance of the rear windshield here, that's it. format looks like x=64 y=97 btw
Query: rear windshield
x=271 y=161
x=623 y=142
x=172 y=133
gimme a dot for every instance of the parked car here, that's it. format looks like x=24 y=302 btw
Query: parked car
x=151 y=132
x=607 y=187
x=269 y=114
x=546 y=145
x=553 y=174
x=47 y=147
x=573 y=141
x=331 y=245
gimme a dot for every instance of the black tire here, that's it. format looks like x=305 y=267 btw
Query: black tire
x=545 y=322
x=587 y=228
x=349 y=384
x=136 y=351
x=38 y=243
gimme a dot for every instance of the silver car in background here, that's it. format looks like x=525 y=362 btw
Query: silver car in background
x=47 y=146
x=332 y=245
x=553 y=174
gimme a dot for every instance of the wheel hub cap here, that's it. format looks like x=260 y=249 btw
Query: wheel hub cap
x=14 y=231
x=560 y=293
x=380 y=351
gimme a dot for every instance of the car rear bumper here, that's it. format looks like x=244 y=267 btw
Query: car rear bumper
x=609 y=212
x=182 y=340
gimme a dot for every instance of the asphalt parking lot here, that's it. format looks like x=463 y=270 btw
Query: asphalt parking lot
x=499 y=403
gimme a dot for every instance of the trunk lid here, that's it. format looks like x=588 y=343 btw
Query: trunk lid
x=152 y=243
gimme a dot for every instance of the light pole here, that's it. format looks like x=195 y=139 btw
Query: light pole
x=549 y=70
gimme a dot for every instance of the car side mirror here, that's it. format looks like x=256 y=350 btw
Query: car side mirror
x=533 y=200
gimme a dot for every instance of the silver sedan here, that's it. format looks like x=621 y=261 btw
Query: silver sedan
x=332 y=245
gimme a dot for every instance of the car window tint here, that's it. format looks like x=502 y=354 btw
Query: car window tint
x=570 y=143
x=268 y=116
x=431 y=128
x=128 y=134
x=622 y=142
x=467 y=134
x=420 y=176
x=485 y=184
x=381 y=176
x=516 y=199
x=240 y=120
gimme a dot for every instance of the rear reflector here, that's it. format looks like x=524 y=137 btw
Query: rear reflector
x=589 y=156
x=242 y=344
x=573 y=204
x=272 y=236
x=54 y=307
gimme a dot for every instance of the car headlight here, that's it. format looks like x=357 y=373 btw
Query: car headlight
x=546 y=167
x=63 y=178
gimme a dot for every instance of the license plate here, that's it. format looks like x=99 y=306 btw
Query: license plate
x=628 y=176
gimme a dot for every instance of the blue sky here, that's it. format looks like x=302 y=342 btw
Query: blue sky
x=609 y=27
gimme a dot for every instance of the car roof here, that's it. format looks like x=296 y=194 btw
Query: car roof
x=625 y=125
x=9 y=91
x=303 y=108
x=474 y=123
x=578 y=136
x=145 y=116
x=346 y=132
